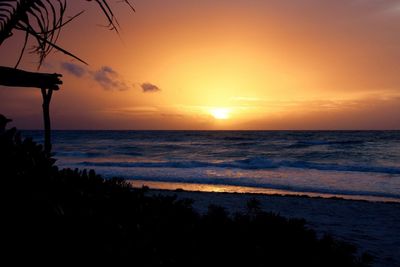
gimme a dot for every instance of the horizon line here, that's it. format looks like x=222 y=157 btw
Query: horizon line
x=220 y=130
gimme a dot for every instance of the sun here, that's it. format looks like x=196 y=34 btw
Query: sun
x=220 y=113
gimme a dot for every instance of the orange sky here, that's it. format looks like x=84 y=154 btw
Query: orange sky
x=245 y=64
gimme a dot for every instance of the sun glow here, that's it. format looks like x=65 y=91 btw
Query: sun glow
x=220 y=113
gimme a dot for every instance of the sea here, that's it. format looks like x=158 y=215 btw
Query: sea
x=362 y=165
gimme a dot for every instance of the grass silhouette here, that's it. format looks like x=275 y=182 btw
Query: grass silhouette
x=73 y=216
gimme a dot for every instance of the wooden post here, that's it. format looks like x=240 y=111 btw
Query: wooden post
x=47 y=93
x=47 y=82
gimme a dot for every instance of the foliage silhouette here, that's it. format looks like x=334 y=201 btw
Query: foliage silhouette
x=69 y=216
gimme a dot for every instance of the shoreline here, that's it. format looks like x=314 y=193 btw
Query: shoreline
x=231 y=189
x=374 y=227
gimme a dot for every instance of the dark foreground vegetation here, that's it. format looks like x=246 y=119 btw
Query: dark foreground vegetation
x=70 y=216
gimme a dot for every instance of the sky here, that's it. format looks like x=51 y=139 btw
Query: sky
x=221 y=65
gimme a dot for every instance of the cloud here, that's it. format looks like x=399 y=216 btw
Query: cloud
x=172 y=115
x=106 y=76
x=137 y=110
x=109 y=79
x=73 y=69
x=149 y=88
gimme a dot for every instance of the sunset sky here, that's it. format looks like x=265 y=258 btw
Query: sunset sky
x=215 y=65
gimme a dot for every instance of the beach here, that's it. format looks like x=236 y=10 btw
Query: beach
x=374 y=227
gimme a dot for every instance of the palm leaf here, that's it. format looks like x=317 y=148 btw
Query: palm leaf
x=42 y=20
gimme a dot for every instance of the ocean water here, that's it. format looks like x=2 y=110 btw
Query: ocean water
x=349 y=164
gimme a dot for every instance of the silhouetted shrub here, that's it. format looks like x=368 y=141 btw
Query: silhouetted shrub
x=73 y=216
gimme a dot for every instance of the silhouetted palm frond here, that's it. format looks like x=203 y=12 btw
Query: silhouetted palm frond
x=43 y=20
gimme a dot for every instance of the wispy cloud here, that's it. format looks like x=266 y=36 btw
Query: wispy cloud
x=376 y=113
x=149 y=88
x=246 y=99
x=73 y=69
x=109 y=79
x=137 y=110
